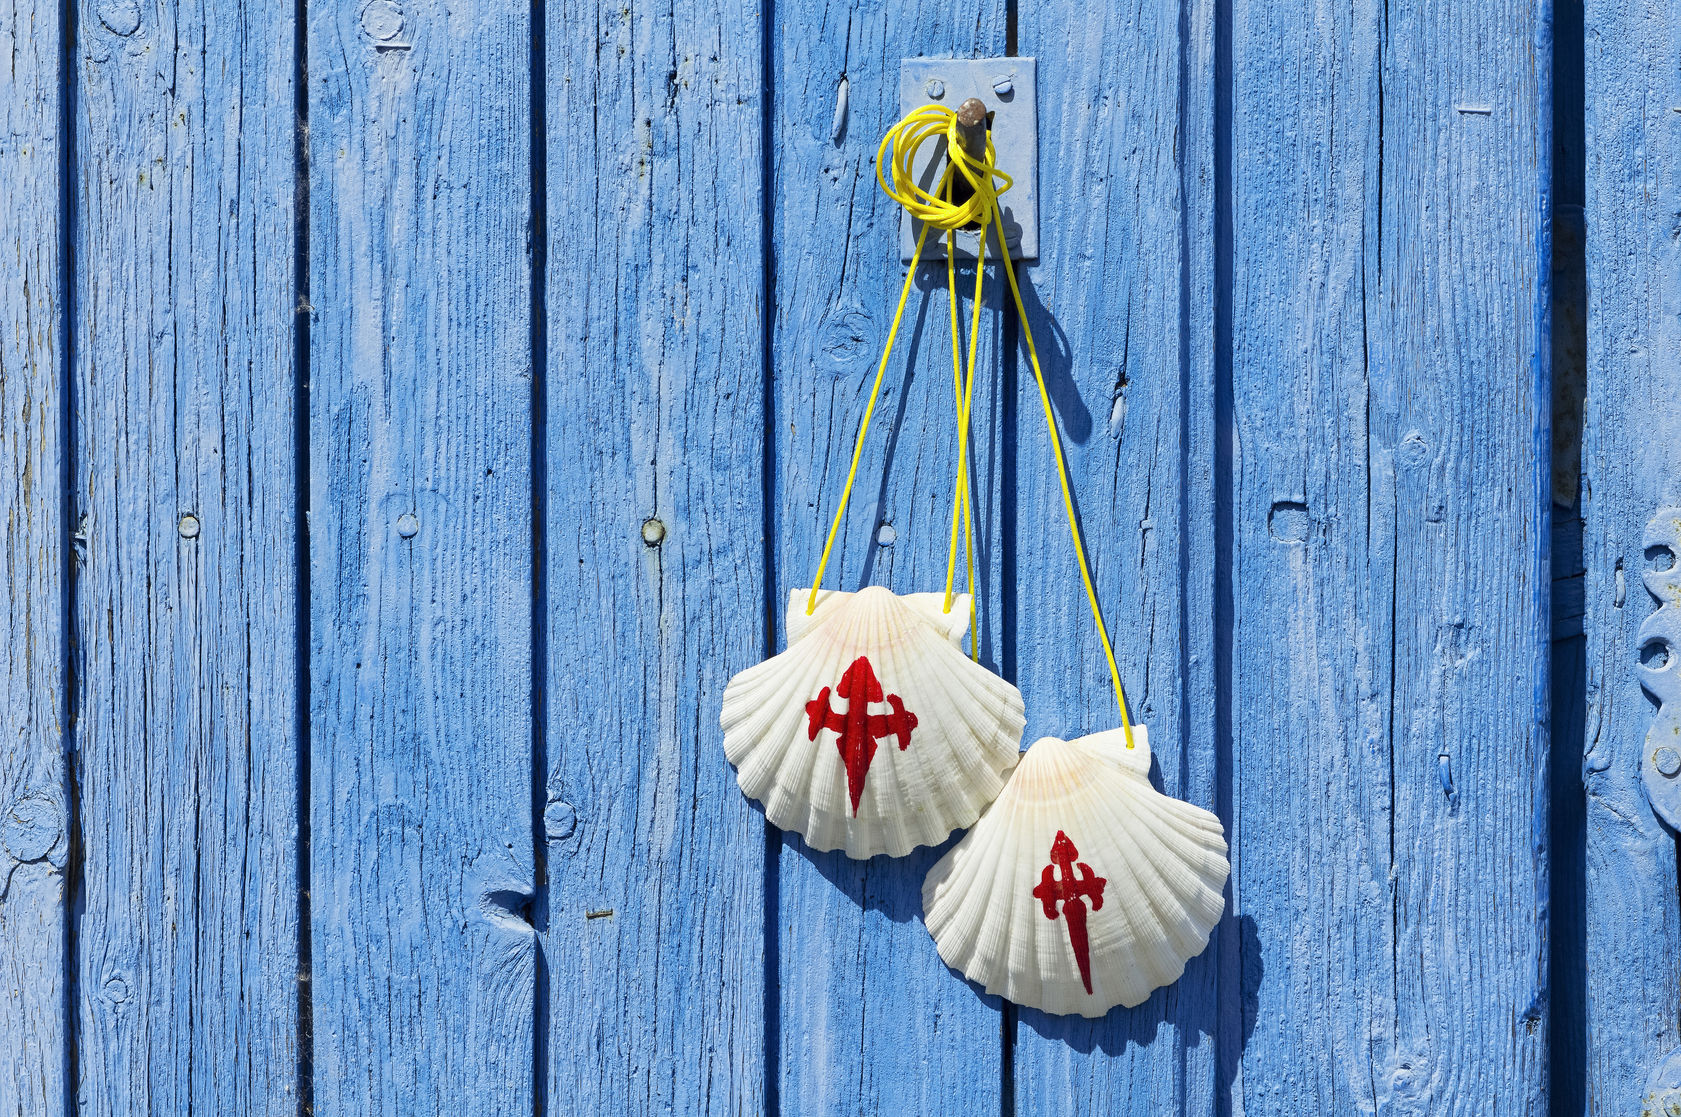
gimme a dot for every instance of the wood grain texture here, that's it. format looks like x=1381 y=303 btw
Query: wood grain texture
x=1390 y=579
x=186 y=929
x=655 y=938
x=871 y=1020
x=422 y=870
x=1119 y=305
x=34 y=837
x=1631 y=466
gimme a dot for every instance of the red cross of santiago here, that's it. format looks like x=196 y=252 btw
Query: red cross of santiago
x=858 y=728
x=1071 y=890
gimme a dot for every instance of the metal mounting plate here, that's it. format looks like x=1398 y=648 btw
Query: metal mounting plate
x=1015 y=139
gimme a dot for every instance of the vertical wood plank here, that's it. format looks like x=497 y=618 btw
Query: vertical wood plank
x=1631 y=467
x=1119 y=306
x=872 y=1022
x=422 y=868
x=187 y=750
x=1390 y=579
x=655 y=939
x=1311 y=642
x=1463 y=289
x=34 y=839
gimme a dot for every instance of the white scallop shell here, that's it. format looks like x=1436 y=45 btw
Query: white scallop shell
x=1162 y=861
x=914 y=791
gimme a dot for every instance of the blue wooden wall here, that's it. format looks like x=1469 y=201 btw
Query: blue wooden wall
x=412 y=414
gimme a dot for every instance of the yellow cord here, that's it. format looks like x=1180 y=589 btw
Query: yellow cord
x=983 y=208
x=934 y=209
x=929 y=207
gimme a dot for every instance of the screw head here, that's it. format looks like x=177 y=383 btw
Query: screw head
x=1003 y=86
x=382 y=20
x=935 y=88
x=653 y=531
x=1668 y=762
x=407 y=525
x=188 y=526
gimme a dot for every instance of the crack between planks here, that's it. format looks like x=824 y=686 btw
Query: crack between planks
x=1229 y=1041
x=1394 y=577
x=68 y=552
x=538 y=249
x=771 y=876
x=301 y=314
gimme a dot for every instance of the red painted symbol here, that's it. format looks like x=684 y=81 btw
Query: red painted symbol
x=1071 y=890
x=858 y=728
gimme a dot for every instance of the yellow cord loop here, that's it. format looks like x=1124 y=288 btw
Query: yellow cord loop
x=936 y=209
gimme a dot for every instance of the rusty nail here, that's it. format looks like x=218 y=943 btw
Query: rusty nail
x=971 y=126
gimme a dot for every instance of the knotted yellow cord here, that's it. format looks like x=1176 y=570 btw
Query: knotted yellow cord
x=936 y=210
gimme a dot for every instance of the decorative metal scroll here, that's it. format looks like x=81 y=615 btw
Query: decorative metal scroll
x=1660 y=666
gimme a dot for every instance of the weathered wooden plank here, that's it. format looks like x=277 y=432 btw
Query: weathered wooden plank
x=871 y=1021
x=34 y=838
x=422 y=868
x=185 y=622
x=1311 y=651
x=1631 y=467
x=1390 y=580
x=1119 y=306
x=1462 y=294
x=655 y=938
